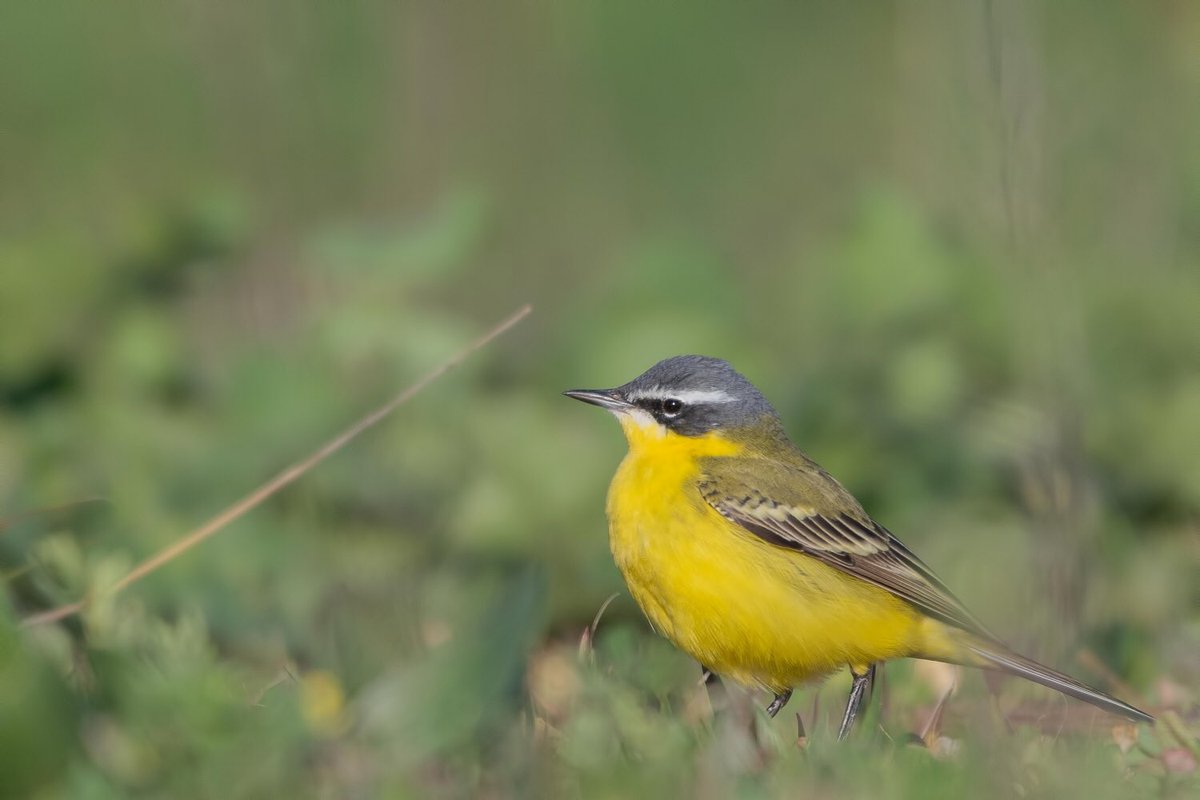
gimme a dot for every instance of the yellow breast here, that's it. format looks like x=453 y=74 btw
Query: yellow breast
x=750 y=611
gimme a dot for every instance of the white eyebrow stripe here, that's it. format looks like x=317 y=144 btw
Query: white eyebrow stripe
x=687 y=396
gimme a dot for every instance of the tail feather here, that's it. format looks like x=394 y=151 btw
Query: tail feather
x=993 y=656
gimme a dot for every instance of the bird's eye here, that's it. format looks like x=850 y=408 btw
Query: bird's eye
x=672 y=406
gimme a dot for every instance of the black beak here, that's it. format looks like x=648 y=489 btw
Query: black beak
x=605 y=398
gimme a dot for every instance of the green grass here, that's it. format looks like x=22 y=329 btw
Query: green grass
x=954 y=243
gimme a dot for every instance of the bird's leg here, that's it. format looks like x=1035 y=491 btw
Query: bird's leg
x=779 y=702
x=859 y=691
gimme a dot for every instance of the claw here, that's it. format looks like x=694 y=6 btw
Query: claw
x=778 y=703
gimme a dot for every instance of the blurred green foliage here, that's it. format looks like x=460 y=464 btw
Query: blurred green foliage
x=956 y=243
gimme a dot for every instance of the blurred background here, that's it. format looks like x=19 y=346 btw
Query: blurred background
x=958 y=245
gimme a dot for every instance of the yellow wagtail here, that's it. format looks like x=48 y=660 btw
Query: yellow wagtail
x=753 y=560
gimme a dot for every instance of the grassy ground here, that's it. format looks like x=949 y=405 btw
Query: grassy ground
x=955 y=243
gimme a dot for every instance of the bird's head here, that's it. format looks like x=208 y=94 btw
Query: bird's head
x=689 y=396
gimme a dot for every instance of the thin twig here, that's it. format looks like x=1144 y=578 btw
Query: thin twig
x=932 y=728
x=289 y=475
x=587 y=640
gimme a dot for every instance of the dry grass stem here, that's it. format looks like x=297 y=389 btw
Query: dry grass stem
x=288 y=476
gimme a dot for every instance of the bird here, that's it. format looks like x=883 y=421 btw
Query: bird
x=760 y=565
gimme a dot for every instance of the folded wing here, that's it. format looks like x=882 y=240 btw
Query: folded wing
x=801 y=507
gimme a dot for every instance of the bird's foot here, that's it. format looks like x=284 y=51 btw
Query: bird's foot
x=779 y=702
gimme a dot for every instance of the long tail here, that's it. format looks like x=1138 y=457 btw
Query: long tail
x=993 y=655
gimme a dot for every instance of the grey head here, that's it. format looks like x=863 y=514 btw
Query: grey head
x=690 y=395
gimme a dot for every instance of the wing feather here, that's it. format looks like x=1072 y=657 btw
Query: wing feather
x=834 y=530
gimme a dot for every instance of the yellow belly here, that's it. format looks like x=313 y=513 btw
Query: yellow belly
x=748 y=610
